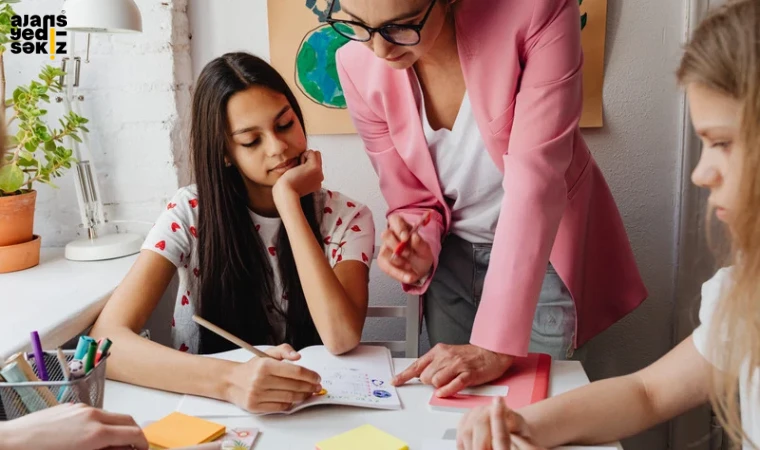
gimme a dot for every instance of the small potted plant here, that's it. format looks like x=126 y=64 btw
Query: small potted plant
x=35 y=154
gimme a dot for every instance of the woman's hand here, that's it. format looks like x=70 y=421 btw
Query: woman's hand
x=264 y=385
x=494 y=427
x=302 y=180
x=414 y=262
x=72 y=427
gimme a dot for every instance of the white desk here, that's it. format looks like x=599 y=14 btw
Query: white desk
x=58 y=298
x=302 y=430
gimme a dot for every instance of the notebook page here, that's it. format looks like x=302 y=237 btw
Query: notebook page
x=361 y=377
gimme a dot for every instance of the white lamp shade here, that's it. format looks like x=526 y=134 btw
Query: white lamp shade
x=102 y=16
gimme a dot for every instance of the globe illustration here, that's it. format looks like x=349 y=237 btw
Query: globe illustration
x=316 y=72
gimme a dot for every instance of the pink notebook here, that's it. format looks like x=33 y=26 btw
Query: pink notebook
x=526 y=382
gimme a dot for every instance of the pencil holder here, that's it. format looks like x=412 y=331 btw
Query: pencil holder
x=19 y=399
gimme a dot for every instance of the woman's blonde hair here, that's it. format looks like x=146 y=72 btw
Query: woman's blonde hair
x=724 y=55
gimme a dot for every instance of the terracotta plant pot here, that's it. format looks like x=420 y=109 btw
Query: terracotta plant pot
x=19 y=248
x=17 y=218
x=20 y=256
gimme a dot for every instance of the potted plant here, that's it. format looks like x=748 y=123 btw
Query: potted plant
x=35 y=154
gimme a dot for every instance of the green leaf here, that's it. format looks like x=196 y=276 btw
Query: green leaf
x=76 y=138
x=11 y=178
x=26 y=155
x=49 y=146
x=31 y=146
x=84 y=128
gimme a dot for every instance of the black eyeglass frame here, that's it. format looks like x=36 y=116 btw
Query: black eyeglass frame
x=383 y=30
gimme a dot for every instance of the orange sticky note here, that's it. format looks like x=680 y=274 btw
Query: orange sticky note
x=180 y=430
x=365 y=437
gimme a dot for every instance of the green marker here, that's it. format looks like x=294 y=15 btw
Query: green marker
x=89 y=359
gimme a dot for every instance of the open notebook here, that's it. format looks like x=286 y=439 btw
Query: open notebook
x=360 y=378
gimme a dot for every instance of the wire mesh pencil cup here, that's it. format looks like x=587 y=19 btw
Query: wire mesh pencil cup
x=19 y=399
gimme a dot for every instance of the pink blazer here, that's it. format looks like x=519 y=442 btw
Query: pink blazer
x=522 y=64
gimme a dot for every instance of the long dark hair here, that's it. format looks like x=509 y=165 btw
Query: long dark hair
x=236 y=279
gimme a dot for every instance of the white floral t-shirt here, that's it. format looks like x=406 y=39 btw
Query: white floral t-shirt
x=347 y=227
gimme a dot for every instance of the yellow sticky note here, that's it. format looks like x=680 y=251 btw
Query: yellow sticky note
x=180 y=430
x=366 y=437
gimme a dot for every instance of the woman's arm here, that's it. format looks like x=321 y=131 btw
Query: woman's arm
x=337 y=298
x=407 y=196
x=613 y=409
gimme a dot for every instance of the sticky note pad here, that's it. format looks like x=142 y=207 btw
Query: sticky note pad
x=180 y=430
x=366 y=437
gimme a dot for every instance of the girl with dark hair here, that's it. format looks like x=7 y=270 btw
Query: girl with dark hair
x=261 y=250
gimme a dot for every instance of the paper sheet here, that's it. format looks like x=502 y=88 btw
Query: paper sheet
x=486 y=390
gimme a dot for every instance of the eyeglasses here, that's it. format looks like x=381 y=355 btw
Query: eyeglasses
x=399 y=34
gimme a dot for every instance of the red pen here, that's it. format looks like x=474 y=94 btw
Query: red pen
x=402 y=245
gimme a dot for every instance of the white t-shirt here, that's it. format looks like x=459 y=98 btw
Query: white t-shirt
x=469 y=179
x=347 y=227
x=749 y=388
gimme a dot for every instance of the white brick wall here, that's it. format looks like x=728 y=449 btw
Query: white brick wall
x=137 y=98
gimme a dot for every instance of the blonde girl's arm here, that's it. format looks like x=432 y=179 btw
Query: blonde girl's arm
x=616 y=408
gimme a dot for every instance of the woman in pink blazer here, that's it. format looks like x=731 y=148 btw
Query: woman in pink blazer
x=469 y=110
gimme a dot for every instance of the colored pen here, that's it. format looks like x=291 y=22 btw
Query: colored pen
x=39 y=357
x=89 y=360
x=402 y=245
x=103 y=346
x=82 y=346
